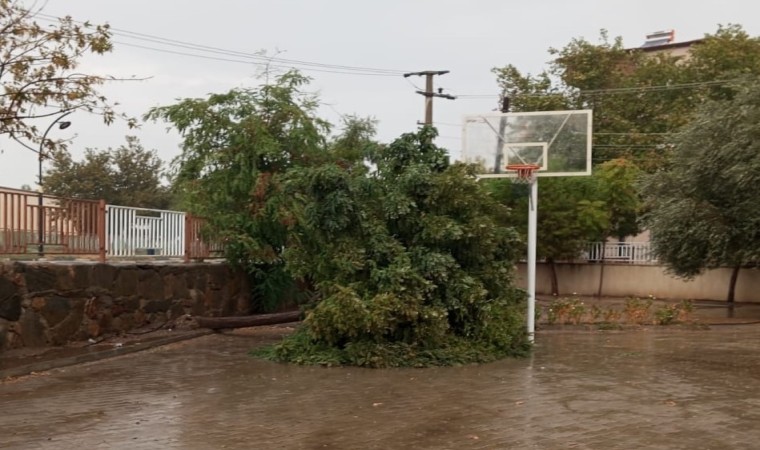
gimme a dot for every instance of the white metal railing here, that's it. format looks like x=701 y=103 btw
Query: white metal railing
x=139 y=231
x=626 y=252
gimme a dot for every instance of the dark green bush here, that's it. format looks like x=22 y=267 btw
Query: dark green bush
x=413 y=262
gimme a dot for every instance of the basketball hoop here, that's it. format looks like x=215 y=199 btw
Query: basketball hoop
x=524 y=172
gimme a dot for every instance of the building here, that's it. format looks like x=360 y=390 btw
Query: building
x=663 y=42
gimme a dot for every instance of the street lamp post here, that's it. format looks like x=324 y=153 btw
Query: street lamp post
x=62 y=125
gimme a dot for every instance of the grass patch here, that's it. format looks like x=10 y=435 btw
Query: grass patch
x=635 y=311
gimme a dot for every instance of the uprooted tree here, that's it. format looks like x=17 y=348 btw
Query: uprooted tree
x=38 y=71
x=413 y=262
x=703 y=210
x=406 y=260
x=233 y=145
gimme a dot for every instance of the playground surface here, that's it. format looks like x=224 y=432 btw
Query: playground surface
x=652 y=387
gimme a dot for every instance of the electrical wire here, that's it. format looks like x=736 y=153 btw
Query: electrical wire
x=337 y=68
x=633 y=133
x=664 y=87
x=239 y=61
x=263 y=59
x=594 y=92
x=411 y=83
x=497 y=96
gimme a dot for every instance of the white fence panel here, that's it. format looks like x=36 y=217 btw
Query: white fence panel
x=626 y=252
x=144 y=232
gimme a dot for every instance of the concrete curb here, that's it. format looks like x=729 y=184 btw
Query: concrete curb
x=98 y=355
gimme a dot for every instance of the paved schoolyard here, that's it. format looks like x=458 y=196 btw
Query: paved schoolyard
x=660 y=388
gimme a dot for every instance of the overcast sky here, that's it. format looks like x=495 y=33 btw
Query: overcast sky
x=466 y=37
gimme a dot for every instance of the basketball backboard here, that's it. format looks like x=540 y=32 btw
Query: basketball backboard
x=559 y=142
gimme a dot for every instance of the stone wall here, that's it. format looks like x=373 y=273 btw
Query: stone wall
x=51 y=303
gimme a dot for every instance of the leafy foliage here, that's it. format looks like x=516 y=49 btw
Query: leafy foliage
x=127 y=176
x=703 y=211
x=234 y=144
x=617 y=187
x=635 y=109
x=355 y=140
x=571 y=213
x=729 y=53
x=413 y=262
x=38 y=71
x=629 y=122
x=575 y=210
x=531 y=93
x=636 y=116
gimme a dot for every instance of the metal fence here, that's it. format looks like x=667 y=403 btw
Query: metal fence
x=33 y=224
x=144 y=232
x=86 y=227
x=621 y=252
x=195 y=246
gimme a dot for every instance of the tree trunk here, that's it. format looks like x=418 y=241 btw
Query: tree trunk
x=216 y=323
x=601 y=271
x=555 y=282
x=732 y=284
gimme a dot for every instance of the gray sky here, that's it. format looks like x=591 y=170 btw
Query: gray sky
x=466 y=37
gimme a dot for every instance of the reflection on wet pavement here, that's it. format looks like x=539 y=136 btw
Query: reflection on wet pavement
x=656 y=388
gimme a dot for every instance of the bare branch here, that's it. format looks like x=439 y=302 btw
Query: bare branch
x=36 y=64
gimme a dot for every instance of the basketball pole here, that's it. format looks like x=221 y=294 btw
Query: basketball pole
x=531 y=269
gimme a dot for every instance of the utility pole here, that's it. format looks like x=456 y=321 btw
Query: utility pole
x=429 y=92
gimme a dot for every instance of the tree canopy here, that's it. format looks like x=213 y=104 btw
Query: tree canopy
x=233 y=145
x=639 y=99
x=573 y=211
x=702 y=212
x=38 y=71
x=413 y=262
x=129 y=175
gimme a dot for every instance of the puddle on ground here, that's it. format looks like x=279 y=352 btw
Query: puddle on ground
x=588 y=389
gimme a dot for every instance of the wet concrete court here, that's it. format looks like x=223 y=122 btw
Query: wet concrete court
x=647 y=389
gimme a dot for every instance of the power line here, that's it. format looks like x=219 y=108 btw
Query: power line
x=664 y=87
x=637 y=146
x=205 y=48
x=283 y=62
x=633 y=133
x=594 y=92
x=498 y=96
x=411 y=83
x=240 y=61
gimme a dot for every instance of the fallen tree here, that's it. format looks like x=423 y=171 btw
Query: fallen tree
x=218 y=323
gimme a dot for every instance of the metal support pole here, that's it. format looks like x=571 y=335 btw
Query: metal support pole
x=531 y=269
x=41 y=156
x=40 y=214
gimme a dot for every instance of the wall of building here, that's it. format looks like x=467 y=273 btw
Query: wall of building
x=624 y=280
x=51 y=303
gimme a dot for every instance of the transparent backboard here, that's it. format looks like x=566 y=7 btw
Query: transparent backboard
x=559 y=142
